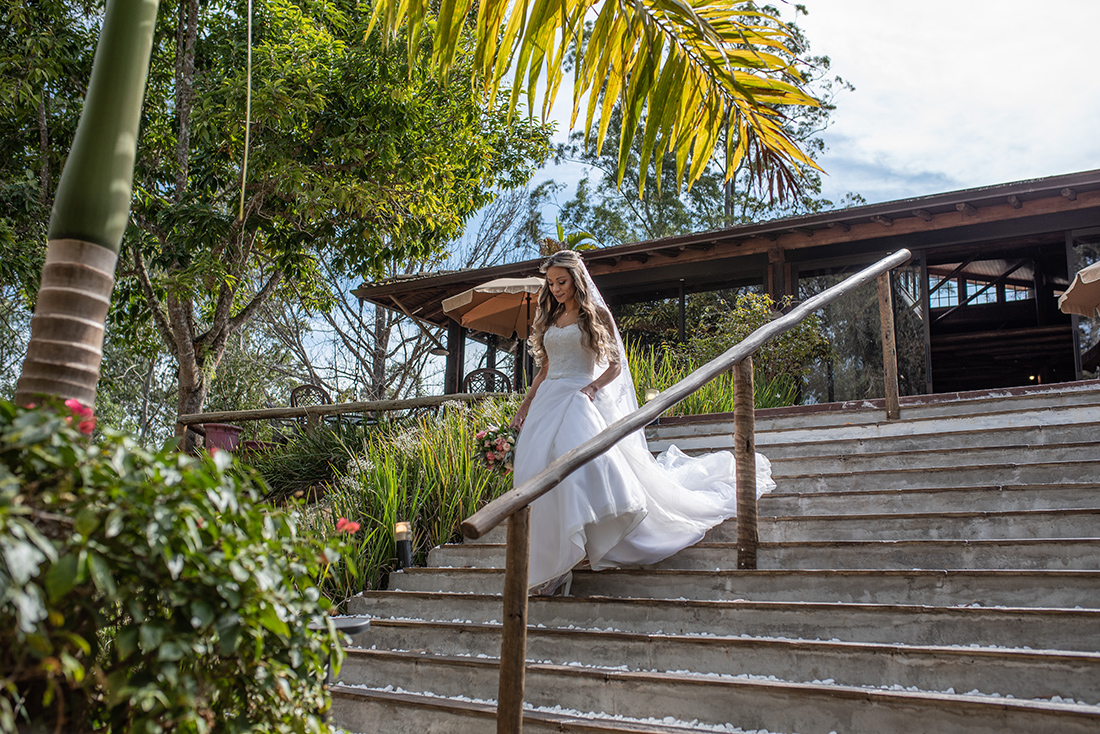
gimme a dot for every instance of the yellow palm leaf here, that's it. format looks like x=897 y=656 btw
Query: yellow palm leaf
x=681 y=71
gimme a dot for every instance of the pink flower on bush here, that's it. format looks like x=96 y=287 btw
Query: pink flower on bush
x=79 y=409
x=344 y=525
x=84 y=414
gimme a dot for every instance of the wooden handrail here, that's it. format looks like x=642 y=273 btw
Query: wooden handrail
x=494 y=513
x=367 y=406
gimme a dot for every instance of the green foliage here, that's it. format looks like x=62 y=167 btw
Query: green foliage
x=425 y=472
x=724 y=194
x=305 y=460
x=778 y=366
x=787 y=355
x=147 y=592
x=683 y=72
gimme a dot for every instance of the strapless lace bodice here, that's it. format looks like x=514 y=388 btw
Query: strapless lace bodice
x=566 y=353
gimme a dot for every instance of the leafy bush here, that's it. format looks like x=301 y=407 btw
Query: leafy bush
x=778 y=366
x=147 y=592
x=306 y=461
x=424 y=471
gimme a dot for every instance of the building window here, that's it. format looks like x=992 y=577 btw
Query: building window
x=1017 y=293
x=989 y=296
x=947 y=295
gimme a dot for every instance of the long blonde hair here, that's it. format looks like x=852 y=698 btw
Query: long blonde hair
x=594 y=322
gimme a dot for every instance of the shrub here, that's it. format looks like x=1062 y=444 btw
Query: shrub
x=308 y=460
x=424 y=471
x=147 y=592
x=778 y=366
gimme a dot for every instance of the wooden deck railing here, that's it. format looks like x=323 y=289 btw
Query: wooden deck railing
x=313 y=413
x=514 y=506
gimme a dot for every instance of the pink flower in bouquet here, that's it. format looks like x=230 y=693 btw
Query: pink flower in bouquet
x=490 y=457
x=502 y=444
x=479 y=435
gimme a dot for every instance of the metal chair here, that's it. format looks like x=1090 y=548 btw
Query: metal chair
x=486 y=380
x=306 y=395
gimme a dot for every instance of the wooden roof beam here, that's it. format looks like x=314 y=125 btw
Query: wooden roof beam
x=884 y=221
x=1069 y=194
x=923 y=214
x=1014 y=201
x=967 y=209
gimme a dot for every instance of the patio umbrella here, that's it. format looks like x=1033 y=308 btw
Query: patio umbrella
x=1083 y=295
x=503 y=306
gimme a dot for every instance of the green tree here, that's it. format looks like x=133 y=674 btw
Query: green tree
x=358 y=159
x=691 y=68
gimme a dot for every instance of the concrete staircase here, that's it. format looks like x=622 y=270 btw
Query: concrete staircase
x=940 y=573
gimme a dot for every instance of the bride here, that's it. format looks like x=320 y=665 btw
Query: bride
x=623 y=508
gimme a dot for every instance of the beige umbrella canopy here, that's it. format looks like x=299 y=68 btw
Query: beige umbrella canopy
x=1083 y=295
x=503 y=306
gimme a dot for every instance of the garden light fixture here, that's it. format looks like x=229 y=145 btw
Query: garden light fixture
x=402 y=534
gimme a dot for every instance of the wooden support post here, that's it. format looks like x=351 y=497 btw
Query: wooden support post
x=744 y=453
x=889 y=348
x=456 y=358
x=513 y=641
x=683 y=312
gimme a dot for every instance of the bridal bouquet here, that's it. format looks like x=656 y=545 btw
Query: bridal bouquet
x=496 y=447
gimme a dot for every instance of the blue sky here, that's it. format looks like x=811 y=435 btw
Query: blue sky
x=957 y=94
x=949 y=95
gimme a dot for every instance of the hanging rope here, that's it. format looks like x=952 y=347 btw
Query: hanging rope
x=247 y=110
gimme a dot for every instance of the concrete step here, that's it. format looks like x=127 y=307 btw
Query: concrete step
x=1023 y=434
x=1010 y=498
x=356 y=709
x=991 y=408
x=1057 y=554
x=1074 y=423
x=1080 y=522
x=1013 y=627
x=1024 y=674
x=1007 y=473
x=750 y=703
x=876 y=438
x=994 y=403
x=1040 y=589
x=949 y=458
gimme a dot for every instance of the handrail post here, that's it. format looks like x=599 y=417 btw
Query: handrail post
x=889 y=347
x=513 y=640
x=744 y=453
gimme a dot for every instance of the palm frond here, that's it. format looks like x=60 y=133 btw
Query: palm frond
x=682 y=71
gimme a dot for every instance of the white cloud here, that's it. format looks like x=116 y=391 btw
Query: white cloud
x=957 y=94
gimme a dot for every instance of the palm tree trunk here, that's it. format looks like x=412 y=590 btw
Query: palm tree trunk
x=90 y=213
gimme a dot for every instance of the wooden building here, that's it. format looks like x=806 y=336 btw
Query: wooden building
x=988 y=266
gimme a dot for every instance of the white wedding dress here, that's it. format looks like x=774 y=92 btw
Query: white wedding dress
x=623 y=508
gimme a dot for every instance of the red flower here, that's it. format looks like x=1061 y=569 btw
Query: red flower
x=87 y=425
x=78 y=408
x=344 y=525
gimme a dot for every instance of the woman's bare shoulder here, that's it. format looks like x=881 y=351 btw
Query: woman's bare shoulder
x=605 y=317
